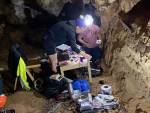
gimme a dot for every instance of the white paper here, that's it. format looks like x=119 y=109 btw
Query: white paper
x=63 y=47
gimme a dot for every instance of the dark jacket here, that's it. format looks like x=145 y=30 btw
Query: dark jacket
x=60 y=33
x=15 y=53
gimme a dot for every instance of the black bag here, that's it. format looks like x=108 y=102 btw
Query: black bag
x=49 y=87
x=54 y=87
x=15 y=52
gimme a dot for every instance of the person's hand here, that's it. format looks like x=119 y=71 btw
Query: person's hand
x=85 y=55
x=98 y=41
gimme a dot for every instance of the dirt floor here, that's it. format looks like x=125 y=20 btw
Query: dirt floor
x=31 y=102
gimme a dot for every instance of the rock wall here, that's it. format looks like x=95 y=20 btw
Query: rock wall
x=52 y=6
x=19 y=10
x=128 y=56
x=107 y=9
x=129 y=60
x=126 y=5
x=16 y=8
x=127 y=52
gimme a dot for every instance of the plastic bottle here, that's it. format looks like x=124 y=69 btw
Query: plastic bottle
x=90 y=97
x=70 y=89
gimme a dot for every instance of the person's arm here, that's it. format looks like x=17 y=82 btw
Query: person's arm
x=80 y=39
x=49 y=46
x=54 y=61
x=71 y=37
x=73 y=44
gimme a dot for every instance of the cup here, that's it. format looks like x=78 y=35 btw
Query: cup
x=81 y=59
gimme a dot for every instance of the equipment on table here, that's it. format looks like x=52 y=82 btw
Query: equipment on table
x=63 y=52
x=62 y=56
x=63 y=47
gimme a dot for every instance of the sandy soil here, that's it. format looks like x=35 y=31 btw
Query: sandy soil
x=31 y=102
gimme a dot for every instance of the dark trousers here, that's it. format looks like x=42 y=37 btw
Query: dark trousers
x=96 y=53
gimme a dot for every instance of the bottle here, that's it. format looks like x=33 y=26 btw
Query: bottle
x=90 y=97
x=70 y=89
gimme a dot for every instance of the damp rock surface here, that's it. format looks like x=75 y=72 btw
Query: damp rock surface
x=127 y=56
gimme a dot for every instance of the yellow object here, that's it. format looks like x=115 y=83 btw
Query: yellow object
x=21 y=71
x=82 y=53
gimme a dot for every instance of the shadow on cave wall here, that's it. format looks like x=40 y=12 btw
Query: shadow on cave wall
x=32 y=29
x=37 y=26
x=43 y=19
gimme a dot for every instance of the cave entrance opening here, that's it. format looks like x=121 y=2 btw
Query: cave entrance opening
x=138 y=15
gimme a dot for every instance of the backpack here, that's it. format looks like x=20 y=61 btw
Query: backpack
x=49 y=87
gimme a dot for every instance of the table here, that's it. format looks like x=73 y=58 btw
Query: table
x=74 y=65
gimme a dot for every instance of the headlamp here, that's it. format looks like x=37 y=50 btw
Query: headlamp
x=84 y=21
x=81 y=17
x=88 y=20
